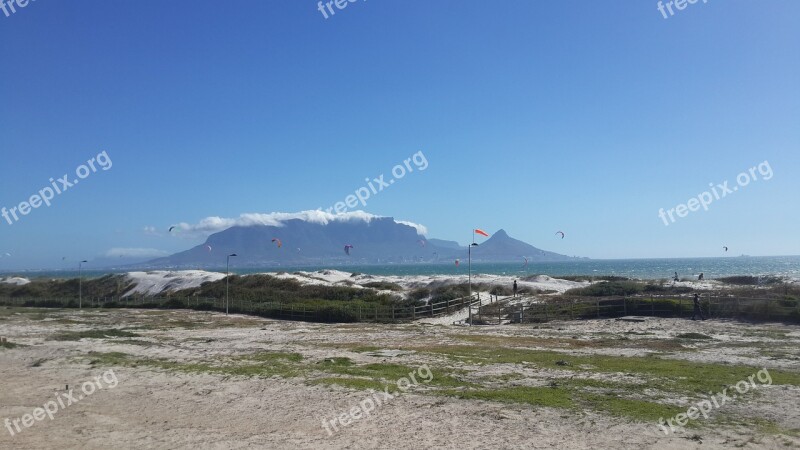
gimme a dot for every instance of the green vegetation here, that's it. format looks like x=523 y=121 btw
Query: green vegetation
x=750 y=280
x=384 y=286
x=694 y=336
x=640 y=410
x=67 y=289
x=94 y=334
x=620 y=286
x=7 y=344
x=268 y=364
x=675 y=375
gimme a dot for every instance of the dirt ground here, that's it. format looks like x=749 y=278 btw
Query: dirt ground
x=186 y=379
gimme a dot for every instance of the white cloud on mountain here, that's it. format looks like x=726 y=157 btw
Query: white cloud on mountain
x=211 y=225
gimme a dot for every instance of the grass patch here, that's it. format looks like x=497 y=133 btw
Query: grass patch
x=270 y=364
x=8 y=345
x=567 y=343
x=669 y=374
x=639 y=410
x=94 y=334
x=693 y=336
x=333 y=363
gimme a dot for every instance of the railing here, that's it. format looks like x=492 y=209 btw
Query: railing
x=763 y=309
x=480 y=312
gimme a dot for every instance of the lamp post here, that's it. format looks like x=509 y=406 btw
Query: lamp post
x=469 y=262
x=227 y=274
x=80 y=284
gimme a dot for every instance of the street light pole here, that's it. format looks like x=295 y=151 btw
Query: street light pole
x=469 y=259
x=227 y=274
x=80 y=284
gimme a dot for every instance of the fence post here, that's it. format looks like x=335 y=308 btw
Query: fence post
x=376 y=313
x=392 y=313
x=598 y=309
x=572 y=309
x=652 y=307
x=413 y=312
x=546 y=316
x=431 y=309
x=625 y=305
x=448 y=306
x=521 y=314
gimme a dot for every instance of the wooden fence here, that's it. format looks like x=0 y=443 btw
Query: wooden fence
x=762 y=309
x=495 y=311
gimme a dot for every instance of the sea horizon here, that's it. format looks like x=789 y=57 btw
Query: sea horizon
x=637 y=268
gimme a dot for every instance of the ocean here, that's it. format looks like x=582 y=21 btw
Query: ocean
x=783 y=266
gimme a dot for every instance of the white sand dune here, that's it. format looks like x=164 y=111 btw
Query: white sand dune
x=161 y=282
x=19 y=281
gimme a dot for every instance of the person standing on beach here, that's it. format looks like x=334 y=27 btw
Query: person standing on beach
x=515 y=288
x=675 y=278
x=697 y=311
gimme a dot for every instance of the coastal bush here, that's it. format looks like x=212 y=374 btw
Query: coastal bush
x=608 y=288
x=745 y=280
x=383 y=285
x=419 y=294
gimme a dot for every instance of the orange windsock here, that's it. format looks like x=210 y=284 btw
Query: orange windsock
x=481 y=232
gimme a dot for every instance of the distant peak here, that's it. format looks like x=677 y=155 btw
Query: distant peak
x=501 y=233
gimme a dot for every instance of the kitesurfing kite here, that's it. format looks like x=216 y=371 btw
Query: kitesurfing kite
x=421 y=242
x=171 y=228
x=209 y=248
x=277 y=241
x=561 y=233
x=347 y=249
x=526 y=262
x=726 y=248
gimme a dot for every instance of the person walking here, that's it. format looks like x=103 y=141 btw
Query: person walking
x=515 y=288
x=697 y=310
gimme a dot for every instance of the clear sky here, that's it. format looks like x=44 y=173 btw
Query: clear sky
x=533 y=116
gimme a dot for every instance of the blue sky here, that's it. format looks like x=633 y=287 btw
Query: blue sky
x=534 y=117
